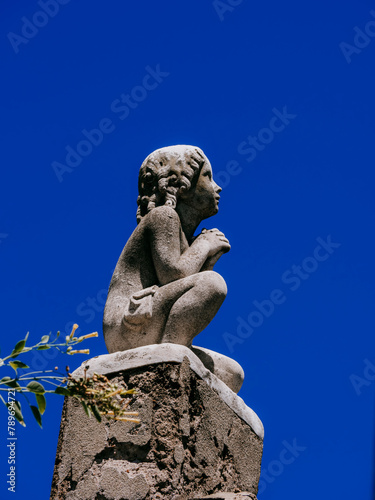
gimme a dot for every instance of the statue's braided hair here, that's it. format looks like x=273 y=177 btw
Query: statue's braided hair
x=165 y=174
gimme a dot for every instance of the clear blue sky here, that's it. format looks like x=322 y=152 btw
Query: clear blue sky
x=285 y=112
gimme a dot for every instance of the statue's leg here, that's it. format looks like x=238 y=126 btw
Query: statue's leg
x=188 y=305
x=180 y=310
x=225 y=368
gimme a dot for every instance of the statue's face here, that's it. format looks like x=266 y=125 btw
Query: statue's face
x=204 y=197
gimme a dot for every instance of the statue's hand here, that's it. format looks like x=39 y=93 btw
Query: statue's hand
x=217 y=241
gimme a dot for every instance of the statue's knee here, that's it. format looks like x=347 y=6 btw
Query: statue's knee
x=216 y=284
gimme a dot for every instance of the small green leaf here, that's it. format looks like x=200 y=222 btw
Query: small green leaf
x=37 y=415
x=41 y=400
x=43 y=347
x=17 y=364
x=10 y=382
x=19 y=346
x=18 y=413
x=36 y=387
x=96 y=413
x=63 y=391
x=86 y=408
x=44 y=339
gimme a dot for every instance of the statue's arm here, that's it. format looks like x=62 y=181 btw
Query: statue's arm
x=211 y=261
x=164 y=236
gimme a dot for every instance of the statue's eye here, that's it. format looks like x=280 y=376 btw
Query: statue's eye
x=207 y=174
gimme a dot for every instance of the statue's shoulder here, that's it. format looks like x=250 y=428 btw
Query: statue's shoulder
x=163 y=215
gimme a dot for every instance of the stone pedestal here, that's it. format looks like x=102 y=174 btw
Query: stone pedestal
x=196 y=437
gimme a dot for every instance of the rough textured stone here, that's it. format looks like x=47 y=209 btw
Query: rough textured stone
x=189 y=443
x=158 y=353
x=163 y=288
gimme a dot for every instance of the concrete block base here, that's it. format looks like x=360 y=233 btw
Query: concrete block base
x=189 y=444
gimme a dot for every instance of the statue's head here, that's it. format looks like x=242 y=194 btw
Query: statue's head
x=170 y=174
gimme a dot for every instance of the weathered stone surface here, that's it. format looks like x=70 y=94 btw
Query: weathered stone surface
x=189 y=443
x=226 y=369
x=159 y=353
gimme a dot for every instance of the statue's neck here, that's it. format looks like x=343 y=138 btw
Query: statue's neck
x=190 y=219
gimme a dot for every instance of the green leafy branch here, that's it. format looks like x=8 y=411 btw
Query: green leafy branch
x=100 y=396
x=97 y=394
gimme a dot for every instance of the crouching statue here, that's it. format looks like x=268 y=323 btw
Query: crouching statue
x=164 y=288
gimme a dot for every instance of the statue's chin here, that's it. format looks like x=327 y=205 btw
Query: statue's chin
x=207 y=215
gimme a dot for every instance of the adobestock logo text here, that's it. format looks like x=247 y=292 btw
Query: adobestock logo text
x=30 y=27
x=255 y=144
x=293 y=278
x=121 y=108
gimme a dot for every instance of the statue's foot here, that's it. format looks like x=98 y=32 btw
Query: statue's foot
x=226 y=369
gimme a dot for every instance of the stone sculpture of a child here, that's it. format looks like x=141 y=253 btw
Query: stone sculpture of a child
x=164 y=288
